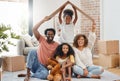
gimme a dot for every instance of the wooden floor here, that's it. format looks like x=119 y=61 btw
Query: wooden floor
x=113 y=70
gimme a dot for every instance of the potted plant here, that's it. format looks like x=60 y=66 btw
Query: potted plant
x=5 y=35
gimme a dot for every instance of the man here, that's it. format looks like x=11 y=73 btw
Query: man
x=37 y=60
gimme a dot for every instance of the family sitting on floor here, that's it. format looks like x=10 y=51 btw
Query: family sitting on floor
x=62 y=59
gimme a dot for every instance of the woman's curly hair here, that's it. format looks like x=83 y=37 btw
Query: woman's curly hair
x=76 y=38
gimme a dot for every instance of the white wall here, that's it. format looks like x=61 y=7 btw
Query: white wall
x=42 y=8
x=111 y=19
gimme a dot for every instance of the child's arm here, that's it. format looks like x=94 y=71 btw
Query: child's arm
x=68 y=64
x=60 y=14
x=72 y=59
x=56 y=11
x=76 y=16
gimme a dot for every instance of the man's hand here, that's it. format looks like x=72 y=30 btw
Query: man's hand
x=46 y=18
x=73 y=7
x=64 y=6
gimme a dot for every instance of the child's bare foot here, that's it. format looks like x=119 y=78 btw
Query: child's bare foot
x=27 y=78
x=78 y=76
x=68 y=79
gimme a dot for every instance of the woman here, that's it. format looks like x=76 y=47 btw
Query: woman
x=84 y=65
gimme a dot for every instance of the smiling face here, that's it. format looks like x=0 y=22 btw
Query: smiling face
x=50 y=36
x=81 y=41
x=65 y=49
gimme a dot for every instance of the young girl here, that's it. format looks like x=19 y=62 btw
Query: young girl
x=65 y=56
x=66 y=28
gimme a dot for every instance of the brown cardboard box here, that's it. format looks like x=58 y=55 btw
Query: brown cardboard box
x=119 y=48
x=14 y=63
x=119 y=60
x=0 y=75
x=109 y=61
x=108 y=47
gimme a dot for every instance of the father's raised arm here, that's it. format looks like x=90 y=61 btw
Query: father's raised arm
x=35 y=28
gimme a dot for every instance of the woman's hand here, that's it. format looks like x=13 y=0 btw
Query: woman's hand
x=85 y=72
x=93 y=26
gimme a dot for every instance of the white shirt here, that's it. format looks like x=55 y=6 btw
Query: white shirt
x=84 y=58
x=67 y=33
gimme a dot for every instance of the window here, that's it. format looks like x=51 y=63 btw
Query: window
x=15 y=14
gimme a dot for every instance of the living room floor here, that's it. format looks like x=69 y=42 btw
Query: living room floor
x=113 y=75
x=106 y=76
x=113 y=70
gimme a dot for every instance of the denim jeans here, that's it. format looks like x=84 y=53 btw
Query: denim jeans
x=96 y=70
x=37 y=69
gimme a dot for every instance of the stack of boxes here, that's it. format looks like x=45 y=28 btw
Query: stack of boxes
x=119 y=60
x=0 y=74
x=0 y=68
x=108 y=53
x=119 y=55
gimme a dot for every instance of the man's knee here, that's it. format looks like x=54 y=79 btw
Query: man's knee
x=32 y=54
x=31 y=58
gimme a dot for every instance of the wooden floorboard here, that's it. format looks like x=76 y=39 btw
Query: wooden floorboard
x=115 y=70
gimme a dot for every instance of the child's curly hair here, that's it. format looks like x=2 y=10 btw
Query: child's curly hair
x=68 y=12
x=59 y=51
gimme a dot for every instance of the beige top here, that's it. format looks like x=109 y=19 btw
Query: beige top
x=61 y=60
